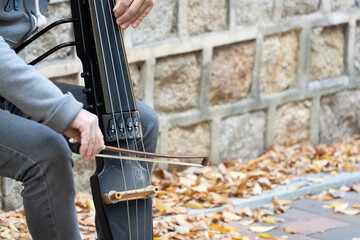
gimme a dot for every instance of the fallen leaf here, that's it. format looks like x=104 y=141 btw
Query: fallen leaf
x=355 y=187
x=289 y=230
x=230 y=217
x=266 y=236
x=218 y=228
x=348 y=211
x=194 y=204
x=316 y=180
x=350 y=168
x=357 y=206
x=261 y=229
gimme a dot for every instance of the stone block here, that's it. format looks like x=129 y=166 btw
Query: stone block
x=242 y=136
x=327 y=52
x=82 y=173
x=231 y=72
x=138 y=80
x=70 y=79
x=161 y=23
x=299 y=7
x=279 y=61
x=342 y=4
x=292 y=122
x=206 y=16
x=357 y=49
x=339 y=116
x=59 y=34
x=250 y=12
x=13 y=199
x=177 y=83
x=190 y=140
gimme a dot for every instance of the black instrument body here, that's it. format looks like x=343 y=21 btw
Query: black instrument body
x=110 y=96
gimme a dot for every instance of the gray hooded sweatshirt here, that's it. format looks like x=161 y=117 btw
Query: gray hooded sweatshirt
x=22 y=84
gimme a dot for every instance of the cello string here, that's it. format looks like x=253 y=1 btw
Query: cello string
x=112 y=108
x=141 y=137
x=120 y=103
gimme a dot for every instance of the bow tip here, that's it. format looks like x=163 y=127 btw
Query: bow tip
x=205 y=161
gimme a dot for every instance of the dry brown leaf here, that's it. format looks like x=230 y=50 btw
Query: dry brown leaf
x=194 y=204
x=323 y=197
x=356 y=206
x=230 y=217
x=350 y=168
x=355 y=187
x=288 y=230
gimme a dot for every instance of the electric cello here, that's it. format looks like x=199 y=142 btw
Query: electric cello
x=121 y=185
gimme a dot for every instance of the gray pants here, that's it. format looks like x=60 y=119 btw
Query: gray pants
x=40 y=158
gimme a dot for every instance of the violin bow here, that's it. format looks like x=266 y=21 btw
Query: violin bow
x=154 y=156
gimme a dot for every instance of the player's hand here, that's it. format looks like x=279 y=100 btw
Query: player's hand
x=131 y=12
x=85 y=129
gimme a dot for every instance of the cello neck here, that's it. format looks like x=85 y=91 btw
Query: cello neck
x=117 y=86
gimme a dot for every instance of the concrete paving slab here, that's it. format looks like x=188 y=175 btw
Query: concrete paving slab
x=341 y=233
x=297 y=214
x=312 y=206
x=312 y=225
x=352 y=196
x=355 y=219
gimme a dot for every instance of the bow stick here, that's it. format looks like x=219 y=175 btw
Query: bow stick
x=204 y=162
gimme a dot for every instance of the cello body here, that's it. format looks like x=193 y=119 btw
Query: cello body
x=110 y=96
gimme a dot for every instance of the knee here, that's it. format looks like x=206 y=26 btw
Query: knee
x=150 y=123
x=54 y=150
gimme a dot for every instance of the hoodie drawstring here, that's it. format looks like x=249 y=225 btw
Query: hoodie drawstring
x=10 y=3
x=41 y=20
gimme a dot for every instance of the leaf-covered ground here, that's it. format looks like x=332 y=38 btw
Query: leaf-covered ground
x=212 y=186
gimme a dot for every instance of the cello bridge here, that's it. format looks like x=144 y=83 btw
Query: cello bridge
x=144 y=193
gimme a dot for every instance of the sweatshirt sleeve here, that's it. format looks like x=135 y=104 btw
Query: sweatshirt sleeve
x=34 y=94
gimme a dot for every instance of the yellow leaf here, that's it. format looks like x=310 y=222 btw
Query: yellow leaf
x=320 y=231
x=266 y=236
x=350 y=168
x=245 y=238
x=288 y=230
x=261 y=229
x=190 y=234
x=6 y=234
x=90 y=204
x=357 y=206
x=12 y=227
x=333 y=172
x=218 y=228
x=159 y=238
x=229 y=228
x=161 y=209
x=171 y=189
x=194 y=204
x=211 y=234
x=235 y=237
x=268 y=220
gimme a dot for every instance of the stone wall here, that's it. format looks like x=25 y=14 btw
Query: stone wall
x=229 y=78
